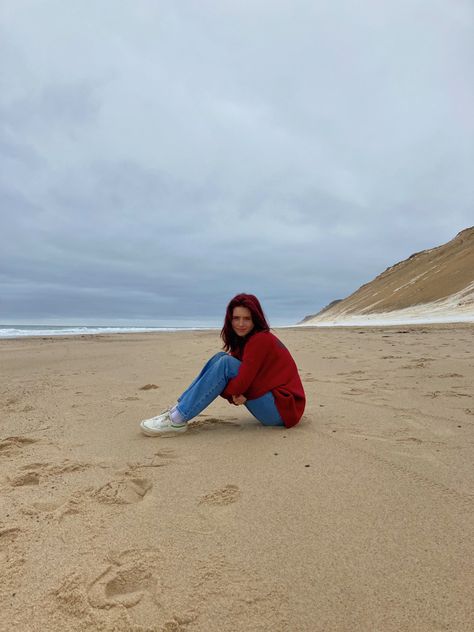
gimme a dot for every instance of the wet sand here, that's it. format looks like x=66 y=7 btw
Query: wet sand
x=358 y=519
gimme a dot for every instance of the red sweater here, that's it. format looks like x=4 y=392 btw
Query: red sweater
x=267 y=365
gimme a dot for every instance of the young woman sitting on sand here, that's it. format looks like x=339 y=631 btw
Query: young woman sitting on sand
x=256 y=370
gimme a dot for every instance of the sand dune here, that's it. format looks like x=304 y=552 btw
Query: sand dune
x=435 y=285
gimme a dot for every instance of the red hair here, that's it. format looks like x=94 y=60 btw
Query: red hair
x=233 y=342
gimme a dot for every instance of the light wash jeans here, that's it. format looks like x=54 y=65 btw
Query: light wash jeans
x=210 y=383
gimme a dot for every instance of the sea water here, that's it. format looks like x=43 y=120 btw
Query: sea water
x=22 y=331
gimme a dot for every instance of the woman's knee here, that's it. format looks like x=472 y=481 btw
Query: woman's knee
x=229 y=363
x=218 y=355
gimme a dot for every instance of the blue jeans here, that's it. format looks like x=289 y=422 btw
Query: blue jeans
x=210 y=383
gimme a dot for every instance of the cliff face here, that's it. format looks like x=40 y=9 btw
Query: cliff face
x=428 y=282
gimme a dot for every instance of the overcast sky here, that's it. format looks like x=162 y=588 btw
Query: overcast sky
x=157 y=157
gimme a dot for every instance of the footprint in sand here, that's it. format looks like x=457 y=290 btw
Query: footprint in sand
x=161 y=458
x=7 y=538
x=130 y=585
x=43 y=506
x=223 y=496
x=9 y=555
x=12 y=444
x=72 y=506
x=64 y=467
x=8 y=535
x=26 y=478
x=34 y=473
x=131 y=576
x=123 y=491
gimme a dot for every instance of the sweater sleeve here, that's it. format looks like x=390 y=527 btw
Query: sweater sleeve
x=255 y=352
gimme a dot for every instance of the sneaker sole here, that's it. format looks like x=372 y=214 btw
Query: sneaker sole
x=162 y=433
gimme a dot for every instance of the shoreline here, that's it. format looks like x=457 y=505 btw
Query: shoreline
x=281 y=328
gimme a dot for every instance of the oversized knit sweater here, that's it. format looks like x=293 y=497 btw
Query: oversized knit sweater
x=267 y=365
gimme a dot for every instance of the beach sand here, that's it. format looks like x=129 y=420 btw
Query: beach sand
x=358 y=519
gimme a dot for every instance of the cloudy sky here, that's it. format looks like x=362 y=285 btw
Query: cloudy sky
x=157 y=157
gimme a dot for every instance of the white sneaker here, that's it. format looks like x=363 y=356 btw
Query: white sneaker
x=162 y=426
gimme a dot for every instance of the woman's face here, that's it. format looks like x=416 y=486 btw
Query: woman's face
x=242 y=322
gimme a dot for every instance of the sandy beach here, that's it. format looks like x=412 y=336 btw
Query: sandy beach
x=358 y=519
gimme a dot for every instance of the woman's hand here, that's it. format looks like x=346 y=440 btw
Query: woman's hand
x=239 y=399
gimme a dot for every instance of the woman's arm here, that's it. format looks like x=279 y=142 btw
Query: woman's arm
x=254 y=356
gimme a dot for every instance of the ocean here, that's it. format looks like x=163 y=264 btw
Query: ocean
x=23 y=331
